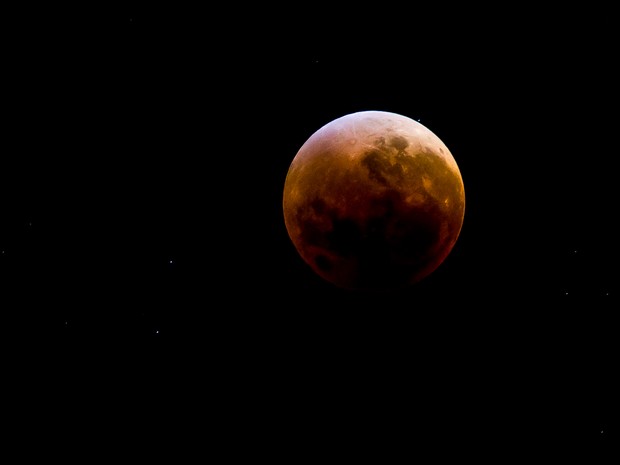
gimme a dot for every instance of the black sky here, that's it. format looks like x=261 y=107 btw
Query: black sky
x=147 y=268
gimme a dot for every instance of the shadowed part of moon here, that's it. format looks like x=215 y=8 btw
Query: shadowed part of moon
x=386 y=250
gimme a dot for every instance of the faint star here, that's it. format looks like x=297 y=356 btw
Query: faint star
x=157 y=332
x=170 y=261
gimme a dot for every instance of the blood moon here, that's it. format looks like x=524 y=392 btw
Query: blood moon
x=373 y=200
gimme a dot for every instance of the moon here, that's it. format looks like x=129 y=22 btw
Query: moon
x=373 y=200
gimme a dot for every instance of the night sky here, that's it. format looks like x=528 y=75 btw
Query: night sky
x=151 y=296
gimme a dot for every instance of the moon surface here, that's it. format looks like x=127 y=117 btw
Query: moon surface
x=373 y=200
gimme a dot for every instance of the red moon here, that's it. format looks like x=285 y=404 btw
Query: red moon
x=373 y=200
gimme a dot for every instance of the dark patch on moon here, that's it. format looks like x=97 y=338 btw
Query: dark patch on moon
x=323 y=263
x=309 y=224
x=374 y=162
x=345 y=237
x=402 y=170
x=318 y=206
x=390 y=169
x=399 y=143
